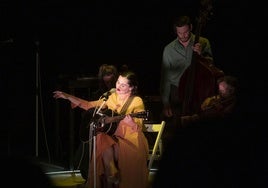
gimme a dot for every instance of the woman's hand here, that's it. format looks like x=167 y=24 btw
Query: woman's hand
x=75 y=101
x=60 y=94
x=130 y=122
x=128 y=119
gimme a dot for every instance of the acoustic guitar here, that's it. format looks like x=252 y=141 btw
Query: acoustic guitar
x=106 y=122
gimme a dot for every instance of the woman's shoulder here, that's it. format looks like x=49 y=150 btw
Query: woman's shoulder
x=137 y=98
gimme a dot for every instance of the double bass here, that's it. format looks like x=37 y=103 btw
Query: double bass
x=199 y=80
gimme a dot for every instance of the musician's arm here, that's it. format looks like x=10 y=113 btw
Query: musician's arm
x=76 y=101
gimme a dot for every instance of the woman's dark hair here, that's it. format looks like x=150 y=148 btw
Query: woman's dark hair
x=132 y=81
x=105 y=70
x=105 y=85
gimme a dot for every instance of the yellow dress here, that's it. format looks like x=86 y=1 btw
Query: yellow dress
x=133 y=147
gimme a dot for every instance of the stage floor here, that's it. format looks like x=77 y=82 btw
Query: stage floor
x=72 y=179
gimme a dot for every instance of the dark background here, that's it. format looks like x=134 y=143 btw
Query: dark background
x=73 y=39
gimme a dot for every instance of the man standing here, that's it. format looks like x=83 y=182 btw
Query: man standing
x=177 y=57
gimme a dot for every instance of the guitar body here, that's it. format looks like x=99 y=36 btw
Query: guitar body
x=89 y=121
x=102 y=126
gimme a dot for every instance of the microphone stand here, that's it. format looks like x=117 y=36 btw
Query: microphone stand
x=94 y=141
x=37 y=79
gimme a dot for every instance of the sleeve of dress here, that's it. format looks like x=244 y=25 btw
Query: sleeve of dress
x=84 y=104
x=138 y=107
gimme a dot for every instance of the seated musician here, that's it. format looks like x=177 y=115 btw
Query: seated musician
x=121 y=158
x=220 y=106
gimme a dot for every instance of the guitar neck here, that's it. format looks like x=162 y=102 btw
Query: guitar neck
x=118 y=118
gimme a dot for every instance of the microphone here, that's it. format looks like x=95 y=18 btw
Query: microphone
x=108 y=93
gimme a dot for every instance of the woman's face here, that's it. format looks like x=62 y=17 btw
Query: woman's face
x=122 y=86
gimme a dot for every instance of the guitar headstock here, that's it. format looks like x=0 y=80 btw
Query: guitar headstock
x=143 y=114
